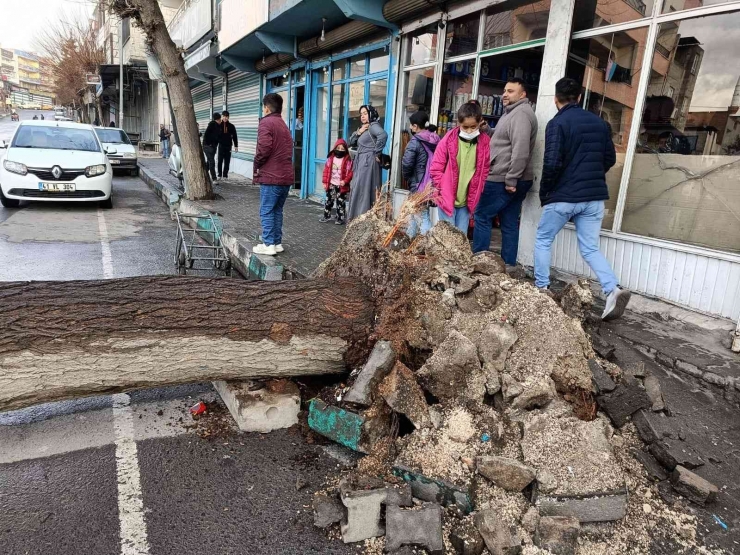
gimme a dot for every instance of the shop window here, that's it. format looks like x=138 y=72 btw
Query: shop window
x=457 y=88
x=356 y=99
x=683 y=182
x=505 y=27
x=462 y=35
x=357 y=65
x=338 y=114
x=323 y=74
x=378 y=61
x=589 y=14
x=422 y=46
x=677 y=5
x=378 y=94
x=609 y=68
x=339 y=70
x=418 y=93
x=299 y=76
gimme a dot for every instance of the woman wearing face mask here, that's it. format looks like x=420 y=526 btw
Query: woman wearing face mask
x=337 y=177
x=417 y=160
x=370 y=140
x=460 y=166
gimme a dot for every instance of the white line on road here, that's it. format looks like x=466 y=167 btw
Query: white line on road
x=105 y=246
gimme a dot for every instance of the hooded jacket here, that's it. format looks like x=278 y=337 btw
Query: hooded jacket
x=417 y=159
x=445 y=173
x=346 y=171
x=273 y=162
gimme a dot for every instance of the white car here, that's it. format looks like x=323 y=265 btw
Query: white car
x=48 y=161
x=60 y=114
x=121 y=153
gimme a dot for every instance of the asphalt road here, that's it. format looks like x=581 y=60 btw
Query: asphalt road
x=133 y=474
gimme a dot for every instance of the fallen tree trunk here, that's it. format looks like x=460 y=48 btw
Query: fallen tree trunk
x=60 y=340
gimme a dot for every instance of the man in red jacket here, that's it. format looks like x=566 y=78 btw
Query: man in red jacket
x=273 y=170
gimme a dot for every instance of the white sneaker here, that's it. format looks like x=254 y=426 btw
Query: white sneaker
x=269 y=250
x=616 y=302
x=279 y=248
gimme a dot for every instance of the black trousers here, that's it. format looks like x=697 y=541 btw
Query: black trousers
x=211 y=157
x=224 y=159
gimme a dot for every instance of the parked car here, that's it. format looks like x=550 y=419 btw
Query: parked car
x=49 y=161
x=60 y=114
x=121 y=153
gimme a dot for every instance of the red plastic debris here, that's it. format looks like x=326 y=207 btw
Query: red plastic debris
x=198 y=408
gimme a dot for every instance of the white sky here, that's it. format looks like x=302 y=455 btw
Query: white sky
x=21 y=21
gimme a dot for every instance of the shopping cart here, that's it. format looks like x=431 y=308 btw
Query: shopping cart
x=201 y=242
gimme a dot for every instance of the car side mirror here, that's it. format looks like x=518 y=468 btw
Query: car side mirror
x=111 y=150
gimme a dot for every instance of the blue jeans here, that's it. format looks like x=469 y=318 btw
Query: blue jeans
x=460 y=218
x=496 y=200
x=587 y=217
x=421 y=220
x=165 y=143
x=272 y=200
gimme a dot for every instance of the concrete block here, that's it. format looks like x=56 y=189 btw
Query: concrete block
x=399 y=495
x=509 y=474
x=605 y=507
x=351 y=429
x=496 y=534
x=363 y=514
x=437 y=491
x=381 y=360
x=403 y=394
x=558 y=534
x=692 y=486
x=422 y=527
x=465 y=539
x=274 y=406
x=601 y=379
x=623 y=402
x=327 y=510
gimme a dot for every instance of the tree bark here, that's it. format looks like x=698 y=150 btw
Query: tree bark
x=60 y=340
x=149 y=18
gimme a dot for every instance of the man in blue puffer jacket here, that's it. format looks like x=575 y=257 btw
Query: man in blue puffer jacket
x=578 y=153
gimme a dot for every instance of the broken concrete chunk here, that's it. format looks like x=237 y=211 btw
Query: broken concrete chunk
x=546 y=481
x=448 y=298
x=327 y=510
x=577 y=299
x=464 y=284
x=652 y=387
x=271 y=407
x=377 y=366
x=465 y=539
x=593 y=508
x=351 y=429
x=422 y=527
x=536 y=395
x=494 y=344
x=363 y=514
x=671 y=453
x=601 y=379
x=488 y=263
x=454 y=371
x=435 y=490
x=647 y=425
x=511 y=388
x=692 y=486
x=623 y=402
x=602 y=347
x=558 y=534
x=531 y=519
x=496 y=534
x=509 y=474
x=403 y=394
x=653 y=468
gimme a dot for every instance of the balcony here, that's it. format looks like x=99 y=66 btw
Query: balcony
x=237 y=19
x=192 y=21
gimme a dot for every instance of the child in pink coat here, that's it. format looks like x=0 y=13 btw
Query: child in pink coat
x=460 y=166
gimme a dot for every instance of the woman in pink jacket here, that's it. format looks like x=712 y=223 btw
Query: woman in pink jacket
x=460 y=166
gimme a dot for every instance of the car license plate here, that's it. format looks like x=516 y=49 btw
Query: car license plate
x=114 y=162
x=57 y=187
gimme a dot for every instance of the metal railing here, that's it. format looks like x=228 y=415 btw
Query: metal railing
x=193 y=19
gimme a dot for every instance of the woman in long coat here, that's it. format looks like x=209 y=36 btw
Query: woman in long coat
x=370 y=140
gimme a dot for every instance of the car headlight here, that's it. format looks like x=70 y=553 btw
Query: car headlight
x=15 y=167
x=92 y=171
x=129 y=155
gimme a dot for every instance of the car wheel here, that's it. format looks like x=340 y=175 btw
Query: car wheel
x=8 y=202
x=135 y=172
x=107 y=204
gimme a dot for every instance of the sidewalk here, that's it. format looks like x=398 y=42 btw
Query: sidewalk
x=307 y=241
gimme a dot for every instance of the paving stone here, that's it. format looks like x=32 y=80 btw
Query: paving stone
x=381 y=360
x=654 y=469
x=671 y=453
x=509 y=474
x=403 y=394
x=601 y=379
x=272 y=407
x=688 y=368
x=496 y=534
x=399 y=495
x=623 y=402
x=558 y=534
x=595 y=508
x=362 y=520
x=692 y=486
x=714 y=379
x=465 y=539
x=652 y=388
x=327 y=510
x=421 y=526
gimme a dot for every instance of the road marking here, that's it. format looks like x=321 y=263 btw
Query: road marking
x=105 y=246
x=130 y=500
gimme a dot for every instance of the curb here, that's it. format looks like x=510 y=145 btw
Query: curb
x=242 y=258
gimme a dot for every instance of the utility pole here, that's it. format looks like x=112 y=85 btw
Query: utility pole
x=120 y=76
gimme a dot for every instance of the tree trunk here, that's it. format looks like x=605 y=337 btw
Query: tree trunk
x=60 y=340
x=148 y=16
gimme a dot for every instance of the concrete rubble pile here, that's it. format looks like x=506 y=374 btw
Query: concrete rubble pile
x=477 y=412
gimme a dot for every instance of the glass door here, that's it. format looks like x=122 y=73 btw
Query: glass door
x=320 y=136
x=297 y=113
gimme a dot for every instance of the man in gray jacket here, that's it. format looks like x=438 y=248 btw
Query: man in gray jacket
x=510 y=175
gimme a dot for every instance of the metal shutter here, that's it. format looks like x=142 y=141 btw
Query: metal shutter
x=218 y=90
x=202 y=104
x=243 y=104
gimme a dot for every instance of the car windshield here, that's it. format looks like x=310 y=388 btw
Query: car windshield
x=55 y=138
x=115 y=136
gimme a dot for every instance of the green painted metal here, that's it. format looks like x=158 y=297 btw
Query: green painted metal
x=438 y=491
x=337 y=424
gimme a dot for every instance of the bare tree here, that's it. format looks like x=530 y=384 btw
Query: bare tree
x=147 y=15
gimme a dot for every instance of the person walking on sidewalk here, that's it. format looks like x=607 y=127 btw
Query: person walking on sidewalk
x=510 y=175
x=336 y=180
x=273 y=170
x=578 y=153
x=459 y=167
x=225 y=140
x=370 y=140
x=211 y=138
x=164 y=140
x=417 y=160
